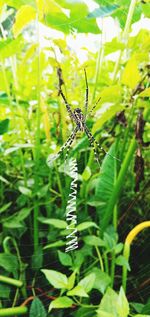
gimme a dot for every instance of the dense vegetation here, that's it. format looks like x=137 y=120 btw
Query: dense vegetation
x=105 y=276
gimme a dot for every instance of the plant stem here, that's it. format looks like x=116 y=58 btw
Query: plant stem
x=119 y=184
x=100 y=258
x=10 y=281
x=112 y=268
x=13 y=311
x=125 y=34
x=106 y=263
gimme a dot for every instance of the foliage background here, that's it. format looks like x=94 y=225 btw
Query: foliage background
x=36 y=38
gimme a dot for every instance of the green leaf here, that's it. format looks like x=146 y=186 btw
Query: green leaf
x=9 y=262
x=5 y=207
x=106 y=181
x=37 y=309
x=122 y=304
x=103 y=11
x=102 y=313
x=61 y=302
x=87 y=224
x=145 y=93
x=106 y=112
x=71 y=280
x=4 y=291
x=102 y=280
x=56 y=18
x=65 y=258
x=4 y=126
x=86 y=174
x=122 y=261
x=87 y=282
x=108 y=304
x=56 y=278
x=59 y=243
x=61 y=224
x=113 y=46
x=24 y=15
x=77 y=291
x=10 y=47
x=131 y=75
x=25 y=191
x=93 y=240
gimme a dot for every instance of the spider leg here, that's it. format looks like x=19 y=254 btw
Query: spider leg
x=68 y=143
x=60 y=92
x=95 y=105
x=86 y=93
x=101 y=148
x=71 y=114
x=72 y=137
x=92 y=140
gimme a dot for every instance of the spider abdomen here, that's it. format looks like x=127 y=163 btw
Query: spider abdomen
x=79 y=118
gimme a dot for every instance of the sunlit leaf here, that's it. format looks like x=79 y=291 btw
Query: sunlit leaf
x=131 y=75
x=24 y=15
x=65 y=258
x=85 y=225
x=145 y=93
x=56 y=278
x=103 y=11
x=88 y=282
x=122 y=304
x=54 y=222
x=61 y=302
x=77 y=291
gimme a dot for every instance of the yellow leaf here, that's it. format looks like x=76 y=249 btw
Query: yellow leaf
x=24 y=15
x=131 y=75
x=145 y=93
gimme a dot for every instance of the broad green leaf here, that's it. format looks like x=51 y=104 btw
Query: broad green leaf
x=103 y=11
x=54 y=222
x=71 y=280
x=113 y=46
x=122 y=304
x=102 y=280
x=56 y=18
x=102 y=313
x=4 y=291
x=88 y=282
x=5 y=207
x=122 y=261
x=87 y=173
x=9 y=262
x=107 y=111
x=10 y=47
x=65 y=258
x=37 y=309
x=106 y=181
x=93 y=240
x=145 y=93
x=17 y=4
x=56 y=278
x=146 y=9
x=61 y=302
x=4 y=125
x=108 y=303
x=25 y=191
x=131 y=75
x=77 y=291
x=55 y=244
x=87 y=224
x=24 y=15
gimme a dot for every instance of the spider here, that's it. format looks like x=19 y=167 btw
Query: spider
x=79 y=119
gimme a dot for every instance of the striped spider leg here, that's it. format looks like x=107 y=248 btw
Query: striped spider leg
x=79 y=119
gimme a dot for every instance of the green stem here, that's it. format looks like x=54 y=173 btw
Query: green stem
x=112 y=268
x=13 y=311
x=100 y=258
x=119 y=184
x=106 y=263
x=10 y=281
x=125 y=34
x=126 y=254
